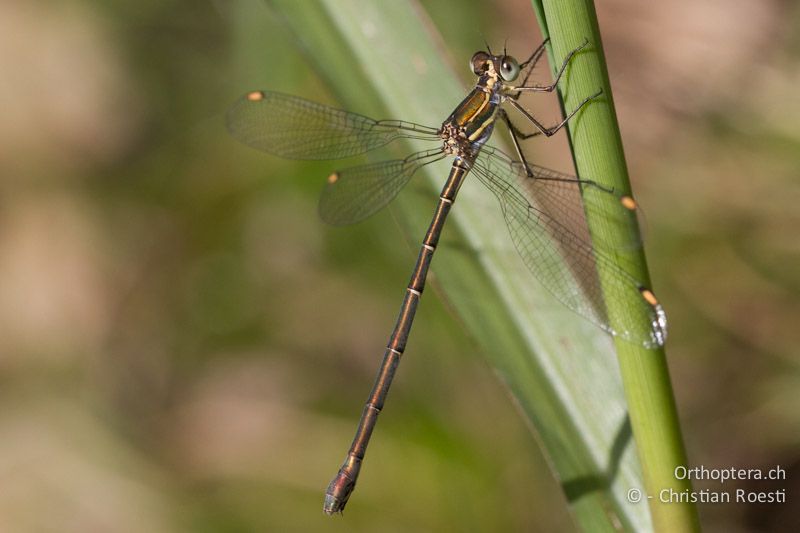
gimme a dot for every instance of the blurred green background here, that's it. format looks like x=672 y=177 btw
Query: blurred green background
x=184 y=346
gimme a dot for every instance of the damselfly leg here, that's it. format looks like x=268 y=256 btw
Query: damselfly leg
x=549 y=88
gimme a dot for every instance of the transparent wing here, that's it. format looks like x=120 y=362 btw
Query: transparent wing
x=547 y=240
x=354 y=194
x=568 y=199
x=295 y=128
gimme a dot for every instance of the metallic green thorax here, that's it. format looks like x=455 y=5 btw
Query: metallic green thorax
x=470 y=125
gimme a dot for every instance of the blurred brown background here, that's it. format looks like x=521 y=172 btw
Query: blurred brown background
x=173 y=347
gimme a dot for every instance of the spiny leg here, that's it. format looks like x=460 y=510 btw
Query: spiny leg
x=515 y=130
x=516 y=135
x=533 y=60
x=549 y=88
x=551 y=131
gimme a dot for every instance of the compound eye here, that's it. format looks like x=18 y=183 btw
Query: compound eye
x=479 y=63
x=509 y=68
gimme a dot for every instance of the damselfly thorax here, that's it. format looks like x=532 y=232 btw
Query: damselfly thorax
x=471 y=124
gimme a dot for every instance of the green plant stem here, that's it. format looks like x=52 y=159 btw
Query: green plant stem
x=598 y=153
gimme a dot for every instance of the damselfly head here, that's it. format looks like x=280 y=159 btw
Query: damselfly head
x=505 y=65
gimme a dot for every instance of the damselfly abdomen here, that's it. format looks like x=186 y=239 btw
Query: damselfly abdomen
x=545 y=211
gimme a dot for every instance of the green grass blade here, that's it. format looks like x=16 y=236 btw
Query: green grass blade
x=597 y=151
x=383 y=59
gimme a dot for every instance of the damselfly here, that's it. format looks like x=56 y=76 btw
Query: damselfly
x=544 y=210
